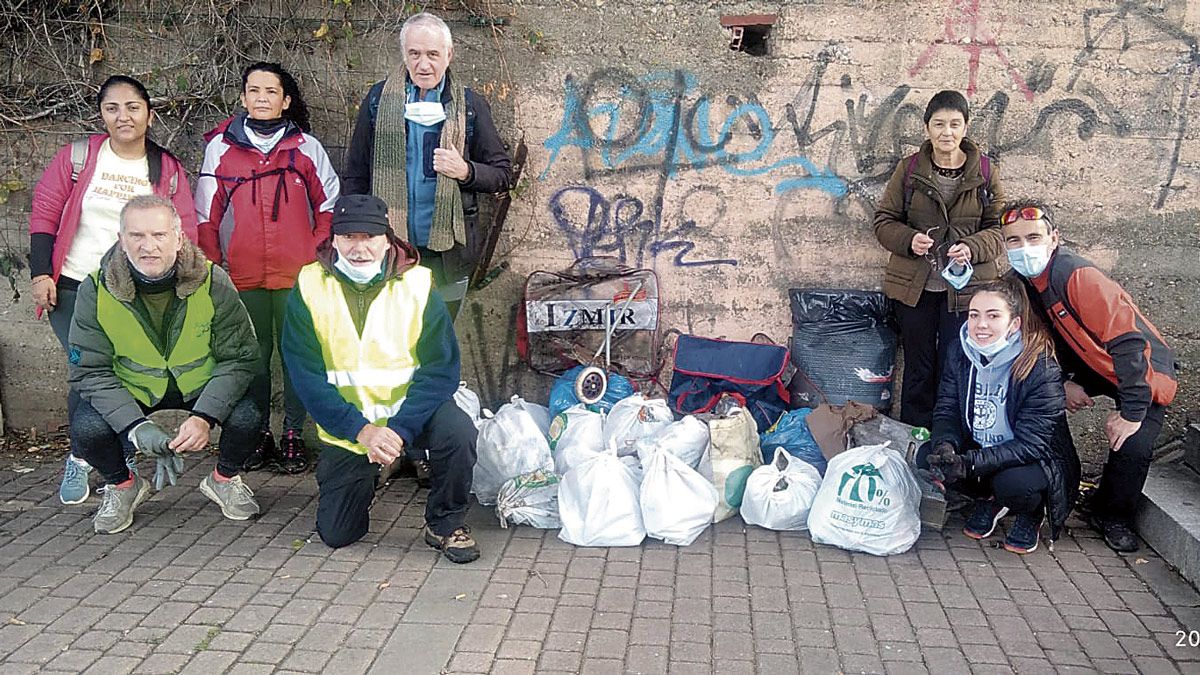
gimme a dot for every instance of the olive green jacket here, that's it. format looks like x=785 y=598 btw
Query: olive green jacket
x=232 y=340
x=964 y=220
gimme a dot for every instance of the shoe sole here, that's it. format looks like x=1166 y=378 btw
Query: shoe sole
x=1021 y=550
x=436 y=544
x=208 y=492
x=995 y=523
x=143 y=494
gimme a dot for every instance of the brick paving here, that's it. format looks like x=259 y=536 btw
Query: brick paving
x=186 y=591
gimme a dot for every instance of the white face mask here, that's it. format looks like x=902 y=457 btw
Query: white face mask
x=958 y=280
x=425 y=113
x=359 y=274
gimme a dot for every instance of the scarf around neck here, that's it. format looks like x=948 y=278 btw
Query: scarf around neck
x=389 y=172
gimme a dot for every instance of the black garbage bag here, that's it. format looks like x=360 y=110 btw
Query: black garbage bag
x=844 y=343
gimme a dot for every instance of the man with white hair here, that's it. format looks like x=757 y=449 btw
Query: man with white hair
x=158 y=327
x=427 y=146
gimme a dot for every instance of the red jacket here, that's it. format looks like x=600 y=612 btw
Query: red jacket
x=262 y=216
x=57 y=203
x=1100 y=323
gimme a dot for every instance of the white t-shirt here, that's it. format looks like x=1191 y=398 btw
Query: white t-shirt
x=115 y=182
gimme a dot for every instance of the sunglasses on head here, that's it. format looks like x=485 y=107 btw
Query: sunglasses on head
x=1024 y=213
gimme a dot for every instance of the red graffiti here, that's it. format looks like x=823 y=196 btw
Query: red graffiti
x=967 y=29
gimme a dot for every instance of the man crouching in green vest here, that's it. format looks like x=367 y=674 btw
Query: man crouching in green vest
x=157 y=327
x=371 y=351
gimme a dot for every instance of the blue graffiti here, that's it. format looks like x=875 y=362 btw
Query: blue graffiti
x=596 y=225
x=671 y=130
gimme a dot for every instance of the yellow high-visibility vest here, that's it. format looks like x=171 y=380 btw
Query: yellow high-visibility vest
x=139 y=365
x=372 y=371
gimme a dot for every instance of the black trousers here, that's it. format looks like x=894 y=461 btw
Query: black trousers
x=95 y=442
x=346 y=480
x=927 y=332
x=1125 y=470
x=1021 y=488
x=266 y=308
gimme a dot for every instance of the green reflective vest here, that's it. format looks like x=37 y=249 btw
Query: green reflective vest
x=372 y=371
x=139 y=364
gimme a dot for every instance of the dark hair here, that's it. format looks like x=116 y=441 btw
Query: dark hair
x=948 y=99
x=1037 y=339
x=296 y=111
x=1047 y=212
x=154 y=151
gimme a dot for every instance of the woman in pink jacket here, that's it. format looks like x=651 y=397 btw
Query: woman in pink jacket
x=264 y=201
x=76 y=211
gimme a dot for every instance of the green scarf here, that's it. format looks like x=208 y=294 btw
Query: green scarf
x=389 y=176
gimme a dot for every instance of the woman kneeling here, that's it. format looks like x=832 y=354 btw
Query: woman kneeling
x=999 y=429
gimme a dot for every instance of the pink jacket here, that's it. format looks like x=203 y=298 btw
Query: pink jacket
x=57 y=202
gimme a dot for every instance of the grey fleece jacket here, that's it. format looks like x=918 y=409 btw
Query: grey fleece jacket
x=231 y=339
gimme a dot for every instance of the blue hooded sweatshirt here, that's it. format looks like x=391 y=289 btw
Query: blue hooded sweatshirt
x=988 y=386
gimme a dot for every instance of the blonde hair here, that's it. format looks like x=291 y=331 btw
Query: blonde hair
x=1036 y=339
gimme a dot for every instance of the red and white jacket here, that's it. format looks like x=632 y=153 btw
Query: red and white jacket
x=262 y=215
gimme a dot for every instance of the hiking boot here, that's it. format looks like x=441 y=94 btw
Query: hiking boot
x=983 y=520
x=233 y=496
x=293 y=455
x=116 y=508
x=458 y=546
x=1117 y=534
x=265 y=453
x=1024 y=535
x=75 y=488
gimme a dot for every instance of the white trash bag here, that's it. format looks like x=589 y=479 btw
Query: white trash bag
x=677 y=502
x=530 y=499
x=869 y=501
x=632 y=419
x=468 y=402
x=576 y=435
x=779 y=495
x=511 y=443
x=598 y=504
x=687 y=439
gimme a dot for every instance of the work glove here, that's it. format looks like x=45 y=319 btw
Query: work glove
x=168 y=469
x=947 y=463
x=151 y=440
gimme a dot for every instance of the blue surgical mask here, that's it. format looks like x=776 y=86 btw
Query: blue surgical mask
x=990 y=350
x=1029 y=261
x=958 y=275
x=359 y=274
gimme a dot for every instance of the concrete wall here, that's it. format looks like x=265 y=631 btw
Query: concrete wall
x=737 y=177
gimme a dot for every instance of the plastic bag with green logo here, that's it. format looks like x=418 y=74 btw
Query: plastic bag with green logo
x=530 y=499
x=869 y=501
x=735 y=453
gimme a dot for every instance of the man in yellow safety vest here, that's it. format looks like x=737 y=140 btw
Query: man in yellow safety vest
x=158 y=327
x=371 y=350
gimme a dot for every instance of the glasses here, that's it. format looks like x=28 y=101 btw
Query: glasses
x=936 y=255
x=1025 y=213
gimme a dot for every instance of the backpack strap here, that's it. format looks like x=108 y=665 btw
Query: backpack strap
x=909 y=169
x=985 y=170
x=79 y=156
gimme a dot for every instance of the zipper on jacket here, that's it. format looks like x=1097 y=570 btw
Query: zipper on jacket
x=937 y=196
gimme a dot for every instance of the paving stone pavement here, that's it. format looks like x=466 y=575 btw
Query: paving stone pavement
x=186 y=591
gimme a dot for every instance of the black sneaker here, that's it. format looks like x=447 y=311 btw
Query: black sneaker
x=1024 y=535
x=263 y=455
x=984 y=518
x=293 y=455
x=1117 y=534
x=458 y=546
